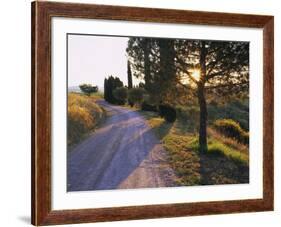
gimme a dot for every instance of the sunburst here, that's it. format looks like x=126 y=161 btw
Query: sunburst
x=196 y=73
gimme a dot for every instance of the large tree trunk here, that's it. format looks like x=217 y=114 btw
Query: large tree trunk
x=202 y=101
x=203 y=118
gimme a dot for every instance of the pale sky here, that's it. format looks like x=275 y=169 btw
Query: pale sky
x=92 y=58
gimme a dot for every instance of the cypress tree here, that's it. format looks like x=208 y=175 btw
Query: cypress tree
x=130 y=81
x=110 y=84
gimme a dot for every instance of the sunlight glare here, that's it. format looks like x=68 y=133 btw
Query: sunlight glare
x=196 y=74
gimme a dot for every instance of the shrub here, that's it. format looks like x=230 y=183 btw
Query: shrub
x=169 y=113
x=148 y=107
x=88 y=89
x=131 y=103
x=121 y=94
x=136 y=95
x=232 y=129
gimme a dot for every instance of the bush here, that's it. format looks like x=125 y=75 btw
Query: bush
x=136 y=96
x=83 y=115
x=121 y=94
x=88 y=89
x=232 y=129
x=169 y=113
x=148 y=107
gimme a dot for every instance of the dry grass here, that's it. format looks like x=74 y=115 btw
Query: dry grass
x=83 y=116
x=232 y=129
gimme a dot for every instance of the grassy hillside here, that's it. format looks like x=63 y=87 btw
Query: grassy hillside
x=84 y=114
x=226 y=162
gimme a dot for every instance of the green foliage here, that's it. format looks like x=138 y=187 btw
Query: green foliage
x=121 y=95
x=136 y=95
x=83 y=114
x=217 y=148
x=238 y=110
x=88 y=89
x=232 y=129
x=189 y=115
x=186 y=163
x=148 y=107
x=166 y=65
x=110 y=84
x=168 y=112
x=153 y=60
x=221 y=164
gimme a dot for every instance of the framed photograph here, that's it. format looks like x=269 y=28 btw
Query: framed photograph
x=144 y=113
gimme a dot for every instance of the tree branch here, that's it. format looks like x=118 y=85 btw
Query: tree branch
x=225 y=85
x=181 y=62
x=212 y=75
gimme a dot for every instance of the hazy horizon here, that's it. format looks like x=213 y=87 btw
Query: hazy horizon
x=93 y=58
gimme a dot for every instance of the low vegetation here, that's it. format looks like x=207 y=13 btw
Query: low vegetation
x=136 y=96
x=83 y=116
x=88 y=89
x=225 y=162
x=237 y=110
x=232 y=129
x=121 y=95
x=167 y=112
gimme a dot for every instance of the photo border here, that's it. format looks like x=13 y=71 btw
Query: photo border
x=42 y=13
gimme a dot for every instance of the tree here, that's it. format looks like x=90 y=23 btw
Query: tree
x=121 y=94
x=105 y=90
x=88 y=89
x=153 y=61
x=136 y=95
x=140 y=52
x=130 y=81
x=221 y=68
x=167 y=73
x=110 y=84
x=176 y=71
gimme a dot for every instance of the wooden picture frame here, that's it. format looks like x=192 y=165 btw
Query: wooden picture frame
x=42 y=13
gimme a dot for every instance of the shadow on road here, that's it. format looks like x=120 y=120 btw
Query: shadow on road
x=112 y=153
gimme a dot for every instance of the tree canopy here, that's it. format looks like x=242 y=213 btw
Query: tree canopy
x=110 y=84
x=88 y=89
x=176 y=70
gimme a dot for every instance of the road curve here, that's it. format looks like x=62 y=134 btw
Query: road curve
x=122 y=153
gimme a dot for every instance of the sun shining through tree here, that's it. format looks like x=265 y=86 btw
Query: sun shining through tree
x=223 y=70
x=197 y=66
x=196 y=73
